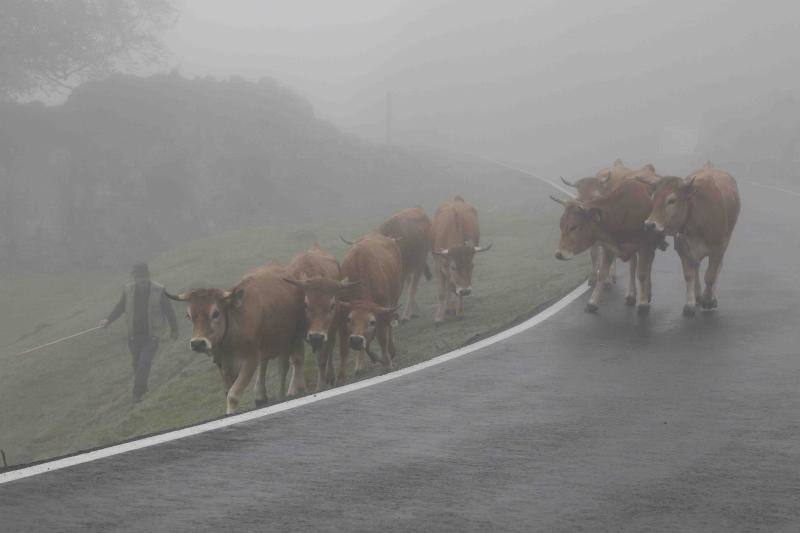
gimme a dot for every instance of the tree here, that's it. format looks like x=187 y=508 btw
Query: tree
x=54 y=45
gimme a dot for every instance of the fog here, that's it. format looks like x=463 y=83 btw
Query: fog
x=556 y=86
x=248 y=113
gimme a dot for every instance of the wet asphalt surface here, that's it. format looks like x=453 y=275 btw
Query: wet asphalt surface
x=584 y=423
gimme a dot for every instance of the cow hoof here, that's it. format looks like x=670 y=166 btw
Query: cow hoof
x=591 y=308
x=643 y=309
x=689 y=311
x=709 y=303
x=261 y=403
x=592 y=281
x=630 y=300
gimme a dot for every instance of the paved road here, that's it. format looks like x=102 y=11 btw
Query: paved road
x=590 y=423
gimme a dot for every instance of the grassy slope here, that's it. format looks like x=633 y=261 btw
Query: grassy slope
x=77 y=395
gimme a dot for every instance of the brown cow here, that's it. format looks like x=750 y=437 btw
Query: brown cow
x=616 y=221
x=376 y=264
x=603 y=183
x=318 y=274
x=456 y=240
x=259 y=319
x=701 y=212
x=412 y=230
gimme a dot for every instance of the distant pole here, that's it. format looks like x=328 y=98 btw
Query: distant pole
x=388 y=117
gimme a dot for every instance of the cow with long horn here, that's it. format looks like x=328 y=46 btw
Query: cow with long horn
x=455 y=240
x=243 y=328
x=369 y=309
x=614 y=220
x=318 y=275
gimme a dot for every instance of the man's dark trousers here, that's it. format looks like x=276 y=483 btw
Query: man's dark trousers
x=143 y=348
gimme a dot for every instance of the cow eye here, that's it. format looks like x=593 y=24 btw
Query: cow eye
x=215 y=314
x=671 y=201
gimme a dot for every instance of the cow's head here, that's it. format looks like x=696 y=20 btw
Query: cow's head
x=362 y=318
x=209 y=311
x=671 y=199
x=578 y=228
x=587 y=188
x=456 y=265
x=320 y=301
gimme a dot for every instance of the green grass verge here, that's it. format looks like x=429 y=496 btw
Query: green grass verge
x=77 y=395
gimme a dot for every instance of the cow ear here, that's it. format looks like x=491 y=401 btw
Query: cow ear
x=234 y=297
x=595 y=213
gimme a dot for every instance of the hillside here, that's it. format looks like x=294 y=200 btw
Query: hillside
x=77 y=395
x=130 y=167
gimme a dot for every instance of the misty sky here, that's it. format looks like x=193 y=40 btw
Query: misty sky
x=533 y=82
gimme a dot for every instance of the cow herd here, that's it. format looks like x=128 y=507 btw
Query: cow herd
x=273 y=310
x=627 y=213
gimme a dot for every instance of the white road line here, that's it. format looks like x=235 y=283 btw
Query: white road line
x=66 y=462
x=553 y=184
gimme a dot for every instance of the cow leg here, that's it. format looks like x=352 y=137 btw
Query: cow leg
x=411 y=305
x=630 y=298
x=383 y=340
x=709 y=300
x=392 y=350
x=261 y=382
x=360 y=361
x=443 y=295
x=246 y=371
x=644 y=271
x=297 y=357
x=605 y=264
x=691 y=275
x=596 y=253
x=325 y=370
x=611 y=279
x=283 y=370
x=344 y=353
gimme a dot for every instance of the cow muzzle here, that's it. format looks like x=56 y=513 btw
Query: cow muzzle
x=200 y=344
x=316 y=339
x=563 y=256
x=651 y=225
x=357 y=342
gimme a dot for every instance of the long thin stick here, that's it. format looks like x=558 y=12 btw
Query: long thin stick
x=84 y=332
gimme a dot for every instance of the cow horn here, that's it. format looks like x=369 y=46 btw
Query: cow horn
x=182 y=297
x=348 y=243
x=479 y=249
x=568 y=183
x=295 y=282
x=558 y=200
x=346 y=283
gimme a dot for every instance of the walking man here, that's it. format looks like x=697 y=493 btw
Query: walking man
x=146 y=309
